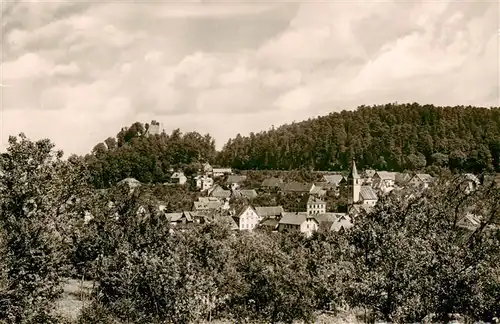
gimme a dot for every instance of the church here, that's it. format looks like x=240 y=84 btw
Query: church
x=359 y=195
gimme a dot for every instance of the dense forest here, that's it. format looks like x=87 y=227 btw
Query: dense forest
x=389 y=137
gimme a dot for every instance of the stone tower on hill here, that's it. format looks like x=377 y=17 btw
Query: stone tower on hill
x=154 y=128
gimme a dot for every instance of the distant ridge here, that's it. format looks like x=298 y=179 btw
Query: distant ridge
x=392 y=136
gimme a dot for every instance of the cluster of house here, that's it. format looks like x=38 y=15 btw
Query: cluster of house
x=362 y=191
x=273 y=218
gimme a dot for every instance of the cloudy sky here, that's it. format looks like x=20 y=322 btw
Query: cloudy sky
x=77 y=71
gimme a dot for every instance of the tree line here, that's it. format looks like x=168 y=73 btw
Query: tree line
x=412 y=258
x=397 y=137
x=386 y=137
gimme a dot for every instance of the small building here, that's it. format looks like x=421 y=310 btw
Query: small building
x=270 y=211
x=297 y=187
x=367 y=196
x=247 y=219
x=130 y=182
x=178 y=178
x=269 y=223
x=367 y=176
x=469 y=222
x=270 y=216
x=179 y=218
x=333 y=221
x=153 y=128
x=355 y=210
x=245 y=193
x=229 y=221
x=271 y=184
x=218 y=192
x=220 y=172
x=315 y=206
x=402 y=178
x=421 y=180
x=469 y=182
x=234 y=181
x=318 y=191
x=208 y=204
x=298 y=222
x=334 y=179
x=203 y=182
x=206 y=168
x=343 y=221
x=384 y=179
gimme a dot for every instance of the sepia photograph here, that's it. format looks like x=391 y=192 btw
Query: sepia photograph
x=250 y=161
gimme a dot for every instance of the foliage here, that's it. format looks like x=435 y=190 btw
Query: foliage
x=39 y=202
x=412 y=258
x=393 y=137
x=147 y=158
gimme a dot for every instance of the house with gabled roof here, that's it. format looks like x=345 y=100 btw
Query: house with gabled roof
x=384 y=179
x=219 y=192
x=333 y=221
x=179 y=218
x=315 y=206
x=367 y=196
x=297 y=187
x=234 y=181
x=245 y=193
x=298 y=222
x=334 y=179
x=269 y=211
x=402 y=178
x=206 y=168
x=421 y=180
x=225 y=220
x=357 y=209
x=271 y=184
x=207 y=203
x=203 y=182
x=178 y=178
x=269 y=223
x=247 y=218
x=318 y=191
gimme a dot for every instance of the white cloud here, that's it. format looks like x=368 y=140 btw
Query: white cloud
x=66 y=69
x=28 y=66
x=82 y=71
x=281 y=79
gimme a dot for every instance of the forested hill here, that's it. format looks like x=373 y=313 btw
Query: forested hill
x=390 y=137
x=134 y=153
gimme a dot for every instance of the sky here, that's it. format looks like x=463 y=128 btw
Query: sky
x=78 y=71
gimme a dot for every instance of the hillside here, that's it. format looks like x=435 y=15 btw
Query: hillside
x=392 y=137
x=136 y=153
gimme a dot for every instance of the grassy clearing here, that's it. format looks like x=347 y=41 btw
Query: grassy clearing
x=76 y=294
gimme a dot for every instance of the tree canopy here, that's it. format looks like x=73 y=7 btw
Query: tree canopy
x=147 y=158
x=388 y=137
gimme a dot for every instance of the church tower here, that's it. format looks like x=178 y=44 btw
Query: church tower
x=353 y=185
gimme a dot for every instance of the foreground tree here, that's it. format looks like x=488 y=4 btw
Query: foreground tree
x=38 y=198
x=414 y=255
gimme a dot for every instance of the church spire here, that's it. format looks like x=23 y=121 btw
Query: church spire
x=354 y=171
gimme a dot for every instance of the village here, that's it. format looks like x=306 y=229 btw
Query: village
x=361 y=190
